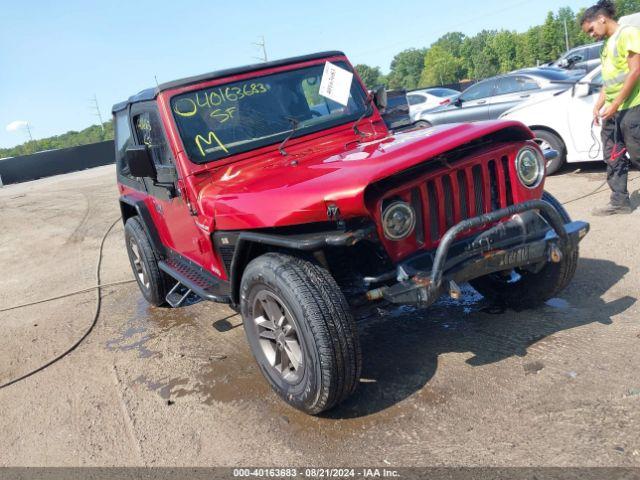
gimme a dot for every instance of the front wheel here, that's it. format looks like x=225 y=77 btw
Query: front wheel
x=300 y=331
x=521 y=288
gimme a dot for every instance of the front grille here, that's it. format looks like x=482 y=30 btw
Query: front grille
x=458 y=194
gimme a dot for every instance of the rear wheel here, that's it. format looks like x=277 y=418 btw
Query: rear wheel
x=144 y=263
x=521 y=288
x=550 y=141
x=300 y=331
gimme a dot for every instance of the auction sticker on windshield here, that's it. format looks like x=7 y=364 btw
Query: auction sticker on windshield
x=336 y=83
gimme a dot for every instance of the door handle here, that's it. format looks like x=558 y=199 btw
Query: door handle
x=481 y=102
x=525 y=95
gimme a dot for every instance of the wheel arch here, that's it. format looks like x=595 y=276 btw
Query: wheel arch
x=546 y=128
x=249 y=245
x=133 y=207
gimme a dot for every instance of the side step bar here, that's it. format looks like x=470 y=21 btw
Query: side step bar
x=192 y=280
x=177 y=296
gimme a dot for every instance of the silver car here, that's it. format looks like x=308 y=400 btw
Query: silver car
x=586 y=57
x=488 y=99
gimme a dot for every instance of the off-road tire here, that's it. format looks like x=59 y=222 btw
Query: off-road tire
x=326 y=331
x=556 y=144
x=531 y=289
x=155 y=290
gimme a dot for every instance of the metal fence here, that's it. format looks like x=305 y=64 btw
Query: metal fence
x=55 y=162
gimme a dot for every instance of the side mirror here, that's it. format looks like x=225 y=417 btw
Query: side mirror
x=581 y=90
x=140 y=162
x=380 y=98
x=458 y=101
x=573 y=60
x=563 y=63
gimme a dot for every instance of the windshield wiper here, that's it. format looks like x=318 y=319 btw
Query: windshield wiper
x=294 y=125
x=368 y=111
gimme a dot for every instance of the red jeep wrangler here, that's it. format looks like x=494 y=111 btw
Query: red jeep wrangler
x=261 y=186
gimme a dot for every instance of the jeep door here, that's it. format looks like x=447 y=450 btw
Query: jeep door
x=175 y=224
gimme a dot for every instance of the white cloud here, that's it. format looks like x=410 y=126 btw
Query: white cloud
x=16 y=125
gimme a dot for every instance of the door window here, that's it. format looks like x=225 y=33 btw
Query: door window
x=507 y=85
x=515 y=84
x=477 y=91
x=525 y=84
x=594 y=52
x=122 y=141
x=416 y=99
x=149 y=132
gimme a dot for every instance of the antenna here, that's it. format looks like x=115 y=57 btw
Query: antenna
x=97 y=110
x=264 y=49
x=155 y=77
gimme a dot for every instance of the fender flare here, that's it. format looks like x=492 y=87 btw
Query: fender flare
x=245 y=241
x=131 y=206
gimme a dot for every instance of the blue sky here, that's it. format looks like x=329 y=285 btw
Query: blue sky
x=54 y=56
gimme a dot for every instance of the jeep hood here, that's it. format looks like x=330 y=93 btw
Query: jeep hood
x=287 y=190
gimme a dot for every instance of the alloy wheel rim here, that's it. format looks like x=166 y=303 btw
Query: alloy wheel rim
x=544 y=146
x=138 y=265
x=278 y=336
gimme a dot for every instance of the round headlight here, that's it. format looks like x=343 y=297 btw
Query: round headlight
x=530 y=167
x=398 y=220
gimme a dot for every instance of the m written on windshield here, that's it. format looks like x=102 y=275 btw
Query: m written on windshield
x=618 y=106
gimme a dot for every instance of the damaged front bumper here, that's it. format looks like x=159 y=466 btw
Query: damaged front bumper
x=527 y=240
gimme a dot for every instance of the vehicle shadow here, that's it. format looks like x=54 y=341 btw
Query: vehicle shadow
x=401 y=345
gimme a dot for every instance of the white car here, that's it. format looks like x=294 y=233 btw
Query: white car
x=428 y=98
x=562 y=121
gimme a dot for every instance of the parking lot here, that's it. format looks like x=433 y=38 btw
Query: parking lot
x=460 y=383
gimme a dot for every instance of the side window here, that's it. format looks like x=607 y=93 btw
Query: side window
x=507 y=85
x=594 y=52
x=149 y=132
x=122 y=140
x=416 y=99
x=477 y=91
x=526 y=84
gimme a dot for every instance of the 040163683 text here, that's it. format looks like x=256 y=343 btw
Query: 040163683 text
x=190 y=105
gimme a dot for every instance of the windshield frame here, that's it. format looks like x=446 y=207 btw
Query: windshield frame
x=256 y=148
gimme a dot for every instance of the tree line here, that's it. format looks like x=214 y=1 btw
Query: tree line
x=92 y=134
x=456 y=57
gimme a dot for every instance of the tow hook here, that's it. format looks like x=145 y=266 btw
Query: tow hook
x=555 y=255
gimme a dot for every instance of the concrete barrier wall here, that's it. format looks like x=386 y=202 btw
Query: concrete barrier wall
x=56 y=162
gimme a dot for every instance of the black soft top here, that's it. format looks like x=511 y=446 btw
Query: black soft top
x=151 y=93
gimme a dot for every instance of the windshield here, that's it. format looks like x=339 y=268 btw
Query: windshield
x=224 y=120
x=442 y=92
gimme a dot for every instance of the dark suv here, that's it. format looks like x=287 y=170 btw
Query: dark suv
x=269 y=187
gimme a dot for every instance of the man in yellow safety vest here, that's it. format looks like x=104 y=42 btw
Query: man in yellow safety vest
x=618 y=106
